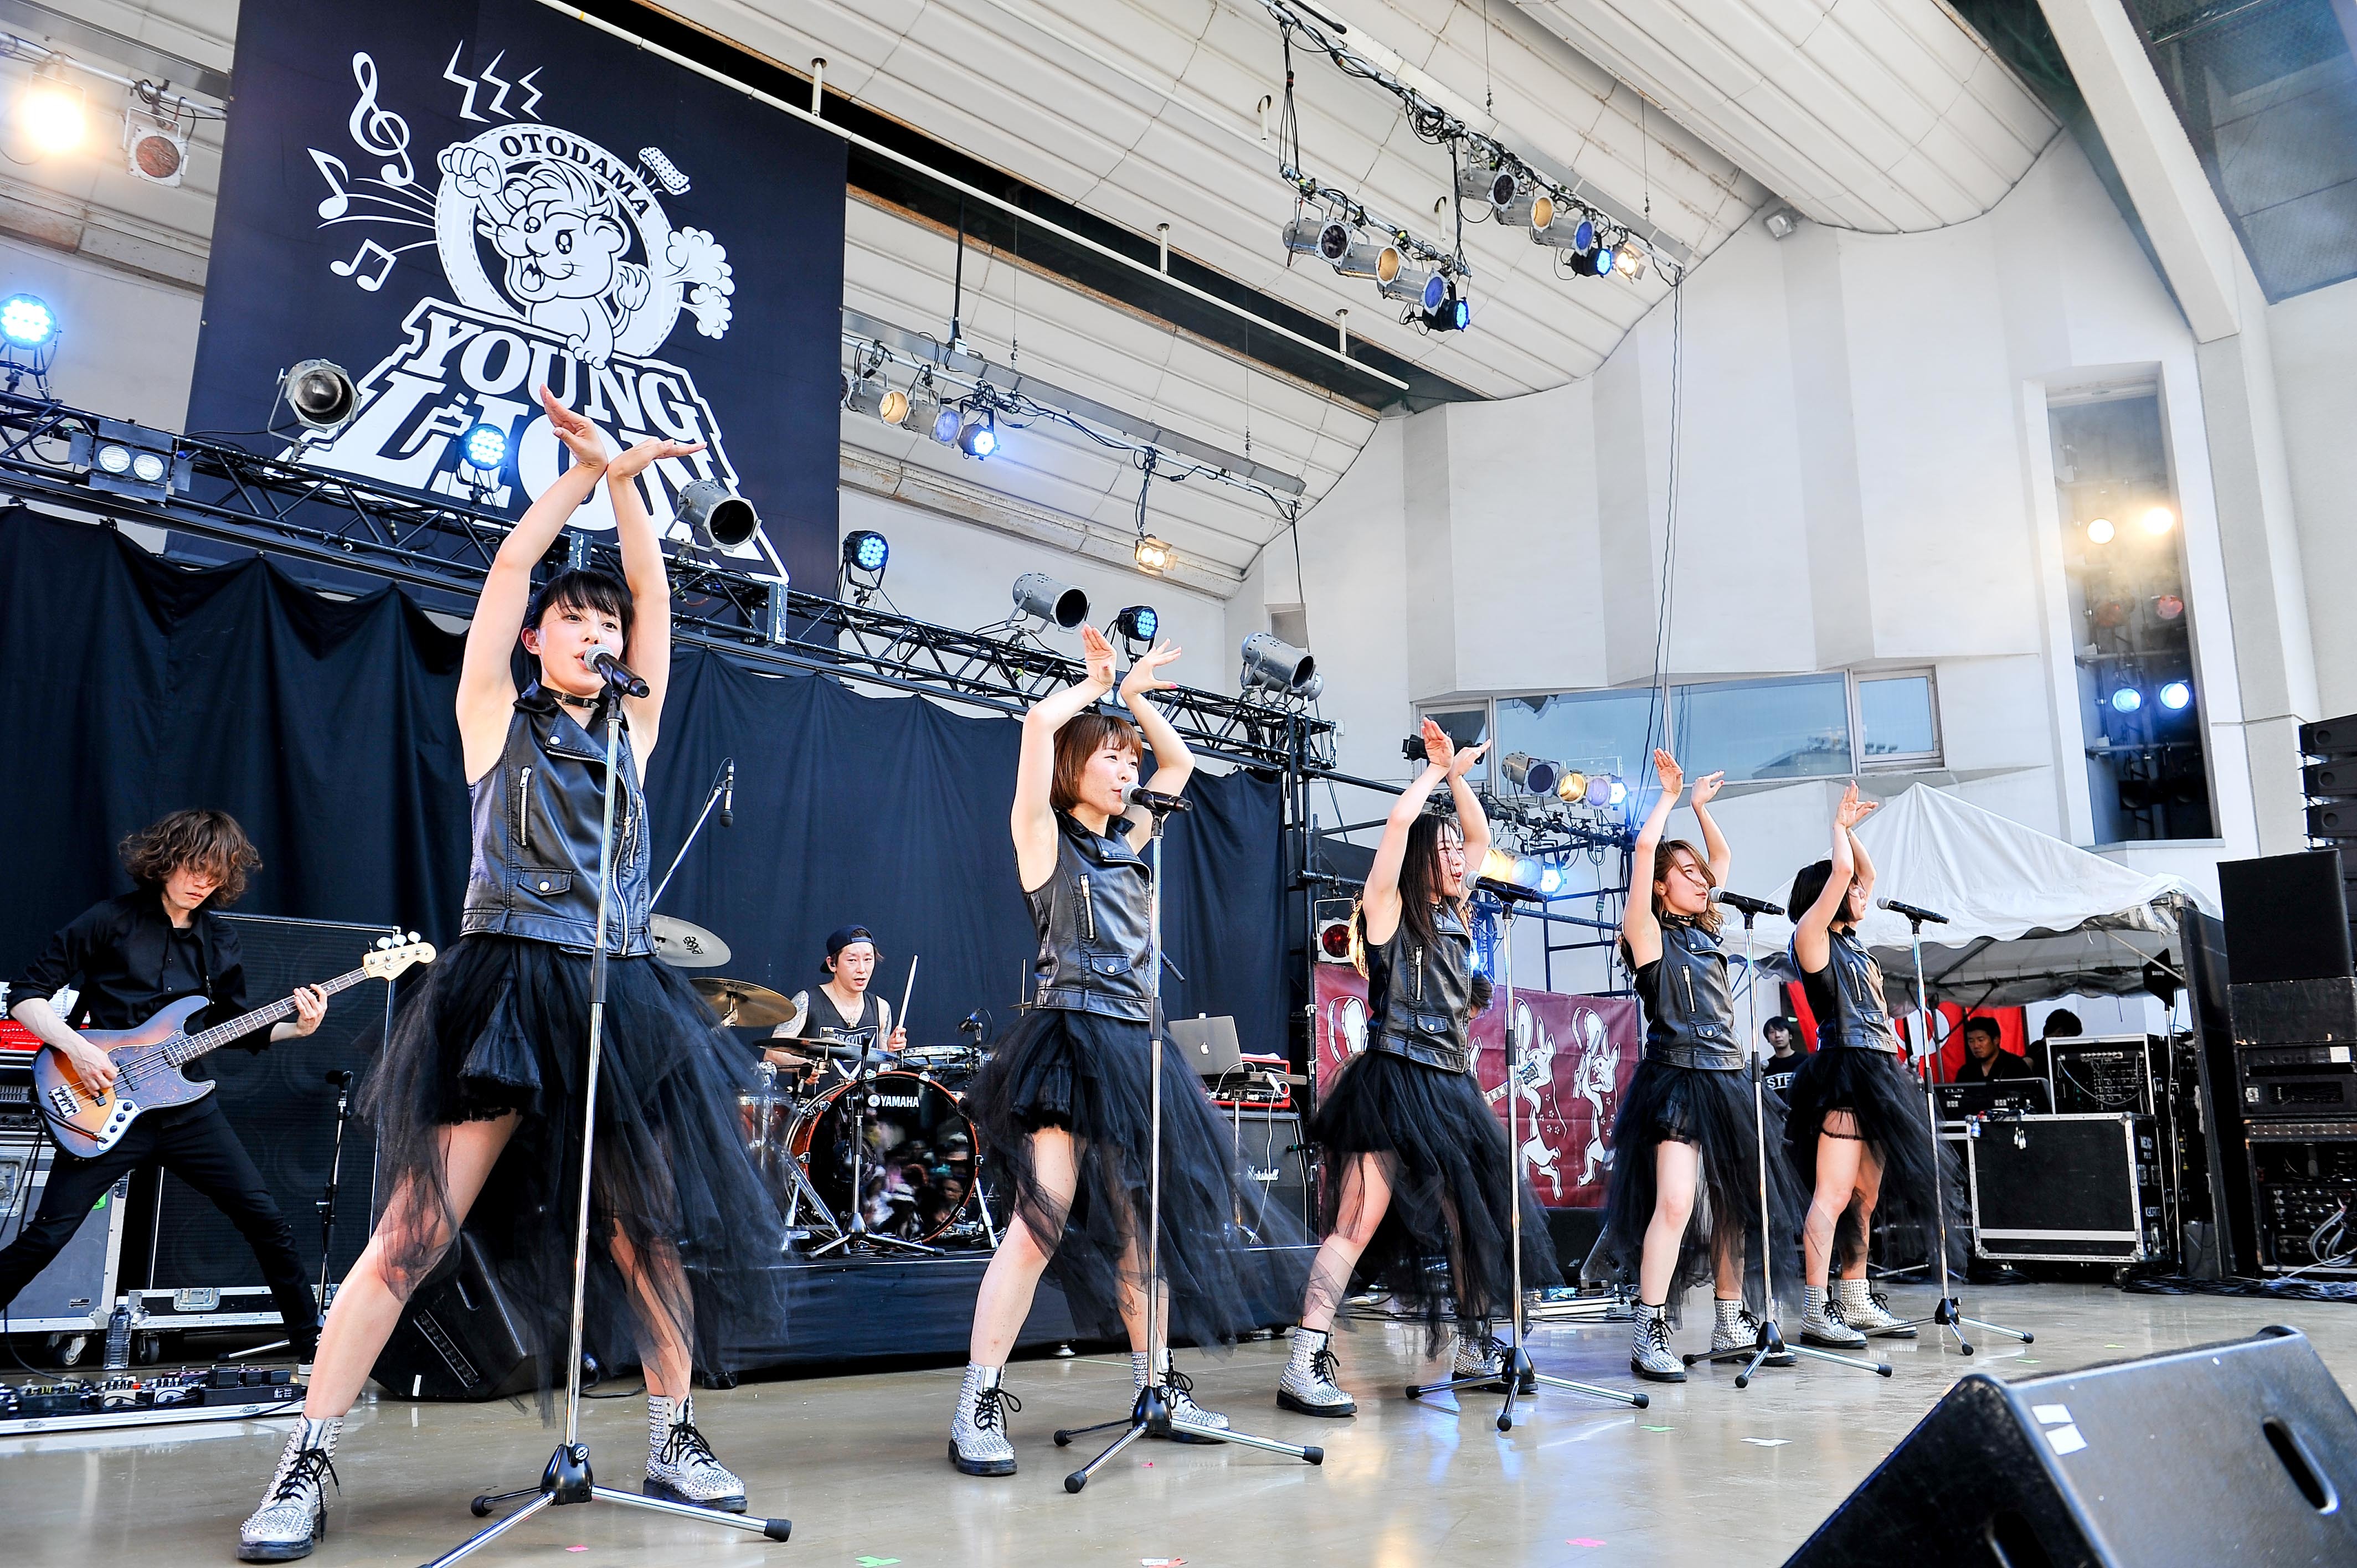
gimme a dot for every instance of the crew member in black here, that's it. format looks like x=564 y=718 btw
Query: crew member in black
x=1064 y=1102
x=1417 y=1162
x=1856 y=1127
x=1986 y=1058
x=1786 y=1055
x=128 y=958
x=476 y=1092
x=844 y=1006
x=1684 y=1203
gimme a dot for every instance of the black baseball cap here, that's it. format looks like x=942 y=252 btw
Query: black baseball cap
x=843 y=937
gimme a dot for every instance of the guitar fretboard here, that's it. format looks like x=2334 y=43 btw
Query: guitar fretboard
x=188 y=1047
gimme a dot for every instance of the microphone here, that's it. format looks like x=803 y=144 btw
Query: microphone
x=1154 y=801
x=609 y=664
x=341 y=1079
x=729 y=793
x=1744 y=902
x=1911 y=911
x=1508 y=891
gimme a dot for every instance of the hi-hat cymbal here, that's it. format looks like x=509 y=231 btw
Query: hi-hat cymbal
x=741 y=1005
x=685 y=946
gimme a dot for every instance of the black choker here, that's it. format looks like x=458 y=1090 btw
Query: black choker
x=570 y=701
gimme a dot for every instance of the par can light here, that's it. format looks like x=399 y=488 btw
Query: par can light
x=484 y=447
x=716 y=517
x=27 y=322
x=321 y=393
x=1042 y=597
x=1272 y=664
x=2176 y=696
x=2127 y=699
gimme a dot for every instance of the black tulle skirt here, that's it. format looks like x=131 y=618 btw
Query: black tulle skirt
x=1444 y=1247
x=1713 y=1112
x=501 y=1025
x=1887 y=1101
x=1228 y=1258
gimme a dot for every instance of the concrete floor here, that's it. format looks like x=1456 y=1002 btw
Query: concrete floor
x=1707 y=1475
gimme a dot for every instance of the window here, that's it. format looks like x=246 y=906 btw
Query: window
x=1464 y=726
x=1764 y=729
x=1897 y=722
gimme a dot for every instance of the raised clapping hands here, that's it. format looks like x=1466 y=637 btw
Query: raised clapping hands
x=1142 y=676
x=1852 y=811
x=646 y=453
x=580 y=437
x=1098 y=654
x=1672 y=777
x=1706 y=788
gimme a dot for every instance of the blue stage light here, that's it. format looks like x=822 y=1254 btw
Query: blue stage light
x=1604 y=261
x=980 y=436
x=1551 y=880
x=866 y=550
x=27 y=322
x=946 y=423
x=1583 y=237
x=1436 y=292
x=2127 y=699
x=2176 y=695
x=484 y=447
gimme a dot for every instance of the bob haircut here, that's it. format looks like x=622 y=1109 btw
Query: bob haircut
x=583 y=589
x=1080 y=739
x=1809 y=885
x=198 y=837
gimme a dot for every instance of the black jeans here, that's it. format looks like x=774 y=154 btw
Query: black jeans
x=196 y=1144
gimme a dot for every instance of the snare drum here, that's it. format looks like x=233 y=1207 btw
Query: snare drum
x=922 y=1162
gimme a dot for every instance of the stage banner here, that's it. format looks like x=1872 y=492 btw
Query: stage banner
x=1578 y=1054
x=461 y=200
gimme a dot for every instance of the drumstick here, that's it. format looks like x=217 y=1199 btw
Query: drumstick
x=900 y=1019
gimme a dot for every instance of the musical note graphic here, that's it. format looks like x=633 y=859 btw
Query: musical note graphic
x=360 y=258
x=380 y=131
x=332 y=169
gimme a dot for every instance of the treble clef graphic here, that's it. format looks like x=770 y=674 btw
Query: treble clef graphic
x=380 y=131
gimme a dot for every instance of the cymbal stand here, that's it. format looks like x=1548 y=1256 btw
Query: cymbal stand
x=799 y=1189
x=1150 y=1415
x=1520 y=1376
x=723 y=787
x=567 y=1478
x=1948 y=1317
x=1771 y=1341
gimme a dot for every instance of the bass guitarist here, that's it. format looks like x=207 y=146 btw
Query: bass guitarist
x=129 y=957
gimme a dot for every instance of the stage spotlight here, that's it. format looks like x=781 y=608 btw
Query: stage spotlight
x=1272 y=665
x=1530 y=208
x=1368 y=259
x=1629 y=262
x=1043 y=598
x=2167 y=606
x=867 y=397
x=978 y=437
x=864 y=550
x=1607 y=791
x=2176 y=695
x=1419 y=286
x=2127 y=699
x=1572 y=788
x=2100 y=531
x=2159 y=520
x=1537 y=776
x=1453 y=313
x=1602 y=261
x=1551 y=880
x=127 y=459
x=716 y=517
x=1136 y=626
x=1152 y=554
x=948 y=423
x=484 y=447
x=894 y=408
x=1570 y=231
x=321 y=394
x=27 y=322
x=1308 y=236
x=924 y=407
x=1497 y=187
x=51 y=112
x=155 y=149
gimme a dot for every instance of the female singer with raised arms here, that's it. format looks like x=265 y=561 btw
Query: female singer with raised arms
x=476 y=1090
x=1684 y=1204
x=1417 y=1162
x=1063 y=1104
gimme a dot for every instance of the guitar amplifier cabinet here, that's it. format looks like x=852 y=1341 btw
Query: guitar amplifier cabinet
x=2079 y=1188
x=1268 y=1145
x=76 y=1292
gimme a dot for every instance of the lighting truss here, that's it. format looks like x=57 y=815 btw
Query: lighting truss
x=427 y=542
x=1439 y=126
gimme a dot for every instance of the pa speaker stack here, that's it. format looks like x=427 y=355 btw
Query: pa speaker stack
x=2330 y=779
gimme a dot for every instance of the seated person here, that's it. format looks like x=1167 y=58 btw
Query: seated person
x=1986 y=1060
x=843 y=1008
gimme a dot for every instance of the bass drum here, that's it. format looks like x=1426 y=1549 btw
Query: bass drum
x=922 y=1168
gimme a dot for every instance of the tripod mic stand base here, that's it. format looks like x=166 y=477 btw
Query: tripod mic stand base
x=1772 y=1343
x=1150 y=1417
x=1950 y=1315
x=569 y=1479
x=1520 y=1380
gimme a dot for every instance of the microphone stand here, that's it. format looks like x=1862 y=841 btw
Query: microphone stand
x=1771 y=1339
x=1150 y=1416
x=1949 y=1315
x=567 y=1478
x=721 y=783
x=326 y=1204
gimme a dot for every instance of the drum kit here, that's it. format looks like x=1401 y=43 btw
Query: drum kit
x=868 y=1151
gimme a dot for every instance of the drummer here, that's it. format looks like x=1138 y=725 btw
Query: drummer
x=843 y=1009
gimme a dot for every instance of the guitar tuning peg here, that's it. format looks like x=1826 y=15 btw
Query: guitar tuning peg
x=384 y=941
x=414 y=938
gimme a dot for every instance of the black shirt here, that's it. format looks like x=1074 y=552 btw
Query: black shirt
x=1777 y=1071
x=127 y=960
x=2002 y=1065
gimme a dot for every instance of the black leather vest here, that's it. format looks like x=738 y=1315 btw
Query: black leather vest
x=1422 y=996
x=537 y=815
x=1689 y=1005
x=1847 y=996
x=1093 y=917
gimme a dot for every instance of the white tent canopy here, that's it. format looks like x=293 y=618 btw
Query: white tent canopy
x=2029 y=917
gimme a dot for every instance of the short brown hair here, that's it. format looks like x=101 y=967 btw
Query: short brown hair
x=1081 y=740
x=197 y=836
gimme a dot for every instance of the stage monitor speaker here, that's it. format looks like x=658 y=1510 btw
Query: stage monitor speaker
x=283 y=1110
x=2286 y=918
x=460 y=1337
x=2242 y=1453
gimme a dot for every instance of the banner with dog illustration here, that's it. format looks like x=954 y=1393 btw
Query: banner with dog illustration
x=459 y=203
x=1578 y=1053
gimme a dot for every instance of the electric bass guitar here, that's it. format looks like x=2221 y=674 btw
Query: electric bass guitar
x=88 y=1121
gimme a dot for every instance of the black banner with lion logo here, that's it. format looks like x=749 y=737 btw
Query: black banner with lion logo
x=459 y=203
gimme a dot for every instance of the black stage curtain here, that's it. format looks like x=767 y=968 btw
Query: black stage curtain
x=130 y=686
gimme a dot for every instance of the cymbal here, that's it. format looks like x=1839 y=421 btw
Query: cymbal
x=741 y=1005
x=685 y=946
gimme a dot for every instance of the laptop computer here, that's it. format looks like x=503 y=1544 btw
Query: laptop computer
x=1209 y=1044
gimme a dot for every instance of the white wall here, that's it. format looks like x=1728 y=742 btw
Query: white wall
x=126 y=345
x=2315 y=339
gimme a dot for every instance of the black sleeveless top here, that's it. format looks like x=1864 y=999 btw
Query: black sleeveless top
x=1689 y=1005
x=1094 y=919
x=536 y=821
x=824 y=1018
x=1420 y=995
x=1847 y=996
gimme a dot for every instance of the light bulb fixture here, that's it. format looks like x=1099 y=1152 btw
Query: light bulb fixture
x=866 y=553
x=947 y=423
x=2159 y=520
x=1530 y=208
x=2127 y=699
x=27 y=322
x=1572 y=788
x=484 y=447
x=2176 y=696
x=2100 y=531
x=1497 y=187
x=893 y=408
x=1368 y=259
x=1419 y=286
x=1152 y=554
x=1568 y=230
x=127 y=459
x=52 y=112
x=1629 y=261
x=1454 y=313
x=1535 y=774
